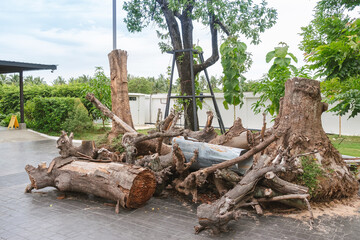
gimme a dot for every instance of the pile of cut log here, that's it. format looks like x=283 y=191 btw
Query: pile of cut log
x=247 y=169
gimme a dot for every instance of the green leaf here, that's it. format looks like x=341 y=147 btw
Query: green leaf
x=226 y=106
x=269 y=56
x=281 y=51
x=293 y=57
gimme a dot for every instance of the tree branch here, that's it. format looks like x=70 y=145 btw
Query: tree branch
x=215 y=48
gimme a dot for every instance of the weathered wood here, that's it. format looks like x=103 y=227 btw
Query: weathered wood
x=300 y=111
x=67 y=149
x=119 y=92
x=91 y=97
x=282 y=186
x=131 y=185
x=212 y=215
x=207 y=134
x=237 y=136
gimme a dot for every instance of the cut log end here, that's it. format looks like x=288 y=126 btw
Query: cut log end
x=143 y=188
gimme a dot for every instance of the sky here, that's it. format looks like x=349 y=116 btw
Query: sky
x=77 y=36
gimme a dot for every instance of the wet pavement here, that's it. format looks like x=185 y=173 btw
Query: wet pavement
x=49 y=214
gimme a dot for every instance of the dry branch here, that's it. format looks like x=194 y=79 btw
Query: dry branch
x=108 y=113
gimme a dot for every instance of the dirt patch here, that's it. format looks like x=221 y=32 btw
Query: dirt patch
x=347 y=207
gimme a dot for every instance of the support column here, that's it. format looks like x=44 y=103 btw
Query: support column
x=22 y=118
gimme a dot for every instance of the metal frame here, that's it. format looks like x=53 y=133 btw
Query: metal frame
x=193 y=96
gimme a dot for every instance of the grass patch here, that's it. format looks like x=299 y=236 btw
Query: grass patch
x=347 y=145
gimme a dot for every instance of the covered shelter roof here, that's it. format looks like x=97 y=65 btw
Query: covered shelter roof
x=16 y=67
x=20 y=67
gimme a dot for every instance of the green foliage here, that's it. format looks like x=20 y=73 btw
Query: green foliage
x=10 y=101
x=78 y=119
x=54 y=113
x=339 y=55
x=99 y=85
x=235 y=62
x=59 y=81
x=344 y=94
x=312 y=173
x=272 y=87
x=240 y=17
x=139 y=85
x=332 y=45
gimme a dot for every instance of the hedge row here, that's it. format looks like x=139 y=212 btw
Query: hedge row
x=10 y=95
x=57 y=113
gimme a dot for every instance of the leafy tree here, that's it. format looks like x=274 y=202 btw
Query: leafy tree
x=13 y=79
x=237 y=17
x=82 y=79
x=139 y=85
x=3 y=79
x=59 y=81
x=160 y=84
x=99 y=85
x=345 y=94
x=332 y=46
x=272 y=86
x=30 y=80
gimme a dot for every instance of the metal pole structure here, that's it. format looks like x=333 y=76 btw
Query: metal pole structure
x=221 y=123
x=21 y=80
x=196 y=127
x=114 y=24
x=170 y=87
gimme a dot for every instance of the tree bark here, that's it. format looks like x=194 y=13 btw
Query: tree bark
x=237 y=136
x=119 y=91
x=131 y=186
x=300 y=111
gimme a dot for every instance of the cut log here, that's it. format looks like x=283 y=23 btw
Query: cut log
x=130 y=185
x=119 y=92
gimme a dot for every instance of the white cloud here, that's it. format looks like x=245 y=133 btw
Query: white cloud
x=77 y=35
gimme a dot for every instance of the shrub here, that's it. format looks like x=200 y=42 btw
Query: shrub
x=10 y=100
x=78 y=119
x=51 y=114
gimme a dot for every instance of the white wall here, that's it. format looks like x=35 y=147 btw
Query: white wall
x=145 y=110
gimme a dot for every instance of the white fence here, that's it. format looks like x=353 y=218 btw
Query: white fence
x=144 y=109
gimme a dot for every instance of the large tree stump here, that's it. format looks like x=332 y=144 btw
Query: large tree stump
x=131 y=186
x=301 y=109
x=119 y=91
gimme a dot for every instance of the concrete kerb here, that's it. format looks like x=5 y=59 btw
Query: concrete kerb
x=51 y=137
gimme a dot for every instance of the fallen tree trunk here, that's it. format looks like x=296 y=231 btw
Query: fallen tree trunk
x=131 y=186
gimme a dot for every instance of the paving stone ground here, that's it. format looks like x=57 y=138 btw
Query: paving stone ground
x=44 y=215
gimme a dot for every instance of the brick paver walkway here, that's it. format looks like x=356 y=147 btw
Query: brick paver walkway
x=45 y=215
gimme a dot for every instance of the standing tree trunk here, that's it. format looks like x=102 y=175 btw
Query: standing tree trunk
x=184 y=40
x=119 y=91
x=301 y=109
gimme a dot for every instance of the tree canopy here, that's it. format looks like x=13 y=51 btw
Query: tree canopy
x=332 y=46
